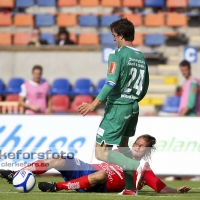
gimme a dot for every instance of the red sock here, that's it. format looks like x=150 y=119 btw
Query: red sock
x=79 y=183
x=37 y=167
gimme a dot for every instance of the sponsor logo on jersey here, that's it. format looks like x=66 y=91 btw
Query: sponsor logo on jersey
x=112 y=68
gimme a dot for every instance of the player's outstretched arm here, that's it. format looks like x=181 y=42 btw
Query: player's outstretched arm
x=183 y=189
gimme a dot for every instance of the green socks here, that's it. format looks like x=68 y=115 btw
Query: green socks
x=124 y=162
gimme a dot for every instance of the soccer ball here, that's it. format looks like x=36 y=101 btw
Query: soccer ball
x=24 y=181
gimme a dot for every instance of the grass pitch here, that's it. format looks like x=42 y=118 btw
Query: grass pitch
x=8 y=192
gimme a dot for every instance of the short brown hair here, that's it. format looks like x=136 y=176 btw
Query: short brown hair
x=185 y=63
x=37 y=67
x=125 y=28
x=151 y=144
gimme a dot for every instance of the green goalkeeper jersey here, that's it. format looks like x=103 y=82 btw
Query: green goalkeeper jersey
x=128 y=75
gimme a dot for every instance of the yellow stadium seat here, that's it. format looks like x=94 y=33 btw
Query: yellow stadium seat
x=170 y=80
x=145 y=101
x=156 y=101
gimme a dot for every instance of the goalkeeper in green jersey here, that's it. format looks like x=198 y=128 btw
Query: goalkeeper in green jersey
x=126 y=84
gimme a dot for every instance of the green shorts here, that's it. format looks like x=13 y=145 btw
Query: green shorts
x=118 y=121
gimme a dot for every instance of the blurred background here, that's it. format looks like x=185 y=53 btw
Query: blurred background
x=71 y=41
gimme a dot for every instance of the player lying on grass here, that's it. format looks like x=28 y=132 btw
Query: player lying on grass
x=102 y=177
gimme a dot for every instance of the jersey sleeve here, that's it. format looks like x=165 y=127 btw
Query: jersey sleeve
x=23 y=91
x=112 y=76
x=113 y=69
x=153 y=181
x=192 y=95
x=145 y=83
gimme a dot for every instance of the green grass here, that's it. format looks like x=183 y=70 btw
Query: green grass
x=7 y=192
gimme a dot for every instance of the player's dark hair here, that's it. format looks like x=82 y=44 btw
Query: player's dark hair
x=125 y=28
x=37 y=67
x=151 y=144
x=185 y=63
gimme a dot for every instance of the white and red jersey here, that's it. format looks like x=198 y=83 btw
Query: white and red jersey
x=116 y=183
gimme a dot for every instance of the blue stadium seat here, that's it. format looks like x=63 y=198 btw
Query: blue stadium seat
x=106 y=20
x=49 y=37
x=171 y=105
x=194 y=3
x=14 y=86
x=107 y=39
x=1 y=87
x=99 y=86
x=60 y=86
x=46 y=3
x=24 y=3
x=44 y=20
x=154 y=39
x=82 y=86
x=154 y=3
x=88 y=20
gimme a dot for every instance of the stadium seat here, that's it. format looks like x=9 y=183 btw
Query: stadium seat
x=78 y=100
x=194 y=3
x=171 y=105
x=111 y=3
x=138 y=40
x=14 y=86
x=1 y=87
x=49 y=37
x=154 y=3
x=73 y=37
x=60 y=103
x=177 y=3
x=89 y=3
x=60 y=86
x=133 y=4
x=154 y=20
x=154 y=39
x=88 y=39
x=88 y=20
x=46 y=3
x=107 y=39
x=5 y=39
x=5 y=19
x=106 y=20
x=176 y=19
x=6 y=3
x=66 y=3
x=82 y=86
x=136 y=19
x=23 y=20
x=66 y=20
x=99 y=86
x=44 y=20
x=21 y=38
x=12 y=97
x=24 y=3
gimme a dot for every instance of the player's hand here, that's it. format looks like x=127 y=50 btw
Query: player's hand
x=183 y=189
x=35 y=108
x=85 y=108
